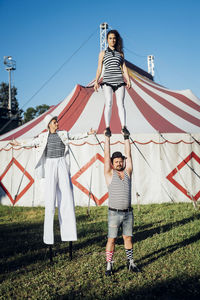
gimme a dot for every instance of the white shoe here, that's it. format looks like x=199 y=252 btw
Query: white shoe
x=132 y=266
x=109 y=268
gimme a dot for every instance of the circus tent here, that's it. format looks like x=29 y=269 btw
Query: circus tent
x=165 y=135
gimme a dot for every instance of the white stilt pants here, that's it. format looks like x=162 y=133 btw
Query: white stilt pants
x=58 y=185
x=120 y=93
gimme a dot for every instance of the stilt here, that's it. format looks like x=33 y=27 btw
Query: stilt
x=70 y=250
x=50 y=254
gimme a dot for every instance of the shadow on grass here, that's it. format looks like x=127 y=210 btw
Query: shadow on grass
x=89 y=235
x=163 y=251
x=169 y=249
x=22 y=244
x=179 y=288
x=139 y=234
x=144 y=234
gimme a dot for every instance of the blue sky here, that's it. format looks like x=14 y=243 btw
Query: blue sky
x=43 y=34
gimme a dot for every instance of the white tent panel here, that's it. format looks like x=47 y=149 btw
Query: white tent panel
x=135 y=119
x=165 y=113
x=174 y=101
x=153 y=162
x=95 y=107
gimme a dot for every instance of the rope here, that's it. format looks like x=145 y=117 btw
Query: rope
x=7 y=167
x=99 y=142
x=21 y=179
x=138 y=55
x=51 y=77
x=192 y=169
x=88 y=210
x=194 y=138
x=186 y=187
x=166 y=157
x=90 y=191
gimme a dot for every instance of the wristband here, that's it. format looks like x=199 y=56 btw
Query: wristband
x=126 y=137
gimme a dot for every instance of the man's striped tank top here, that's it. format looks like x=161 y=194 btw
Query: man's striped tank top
x=119 y=191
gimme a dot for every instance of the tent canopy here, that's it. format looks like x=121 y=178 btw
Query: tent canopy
x=150 y=108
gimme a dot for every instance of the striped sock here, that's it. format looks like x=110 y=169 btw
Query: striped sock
x=109 y=255
x=129 y=253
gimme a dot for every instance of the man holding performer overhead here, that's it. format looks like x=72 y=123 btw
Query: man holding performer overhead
x=53 y=165
x=118 y=171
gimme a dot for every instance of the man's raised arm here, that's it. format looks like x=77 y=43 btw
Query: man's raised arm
x=127 y=150
x=107 y=163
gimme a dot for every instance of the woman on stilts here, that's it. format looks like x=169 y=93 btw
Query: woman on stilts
x=114 y=68
x=53 y=165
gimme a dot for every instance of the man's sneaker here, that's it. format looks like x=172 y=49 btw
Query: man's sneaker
x=125 y=131
x=108 y=132
x=109 y=268
x=132 y=266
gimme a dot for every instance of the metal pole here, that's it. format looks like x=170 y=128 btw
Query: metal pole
x=9 y=99
x=150 y=61
x=10 y=66
x=103 y=33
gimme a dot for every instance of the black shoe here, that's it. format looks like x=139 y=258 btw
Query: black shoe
x=108 y=132
x=109 y=268
x=132 y=266
x=125 y=131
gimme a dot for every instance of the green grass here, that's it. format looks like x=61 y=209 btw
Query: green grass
x=166 y=248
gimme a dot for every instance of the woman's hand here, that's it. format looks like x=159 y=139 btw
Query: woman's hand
x=92 y=131
x=15 y=143
x=99 y=70
x=126 y=75
x=96 y=86
x=128 y=84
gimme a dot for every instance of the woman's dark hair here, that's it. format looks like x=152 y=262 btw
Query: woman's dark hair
x=119 y=41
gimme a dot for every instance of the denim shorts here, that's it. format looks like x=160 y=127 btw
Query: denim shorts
x=118 y=219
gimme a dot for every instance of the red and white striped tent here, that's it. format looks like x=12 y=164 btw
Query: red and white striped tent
x=164 y=126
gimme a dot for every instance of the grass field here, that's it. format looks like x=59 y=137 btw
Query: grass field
x=166 y=248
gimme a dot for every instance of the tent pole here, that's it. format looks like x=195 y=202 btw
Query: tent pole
x=88 y=210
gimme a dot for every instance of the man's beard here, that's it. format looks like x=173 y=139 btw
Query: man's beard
x=119 y=168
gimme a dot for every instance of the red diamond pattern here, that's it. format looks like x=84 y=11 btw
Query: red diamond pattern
x=84 y=189
x=31 y=180
x=178 y=168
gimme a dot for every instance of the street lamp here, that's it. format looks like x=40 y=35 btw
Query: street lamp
x=10 y=66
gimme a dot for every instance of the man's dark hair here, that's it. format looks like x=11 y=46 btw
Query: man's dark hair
x=117 y=155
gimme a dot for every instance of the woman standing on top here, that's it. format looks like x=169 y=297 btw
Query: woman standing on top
x=113 y=60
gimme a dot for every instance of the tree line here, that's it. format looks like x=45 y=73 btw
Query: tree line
x=23 y=116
